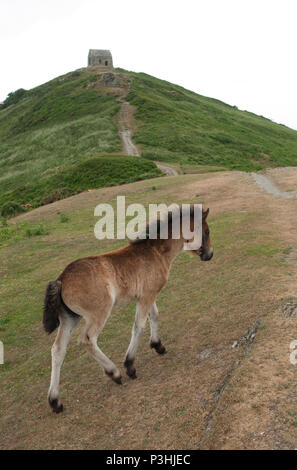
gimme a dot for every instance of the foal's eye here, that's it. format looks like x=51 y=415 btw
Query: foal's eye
x=207 y=232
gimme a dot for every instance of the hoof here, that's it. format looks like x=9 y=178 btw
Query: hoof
x=130 y=370
x=117 y=379
x=55 y=406
x=132 y=373
x=160 y=349
x=59 y=409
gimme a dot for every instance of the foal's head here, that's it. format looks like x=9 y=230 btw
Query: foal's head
x=205 y=251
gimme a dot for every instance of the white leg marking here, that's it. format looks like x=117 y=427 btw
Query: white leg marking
x=153 y=316
x=138 y=327
x=67 y=325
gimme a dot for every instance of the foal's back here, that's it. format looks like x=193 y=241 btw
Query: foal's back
x=122 y=276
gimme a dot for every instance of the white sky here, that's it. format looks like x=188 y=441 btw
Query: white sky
x=242 y=52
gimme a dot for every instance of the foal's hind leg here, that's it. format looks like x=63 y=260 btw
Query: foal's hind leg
x=155 y=337
x=89 y=339
x=67 y=325
x=142 y=310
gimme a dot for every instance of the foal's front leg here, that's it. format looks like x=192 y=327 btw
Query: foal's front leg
x=155 y=337
x=142 y=310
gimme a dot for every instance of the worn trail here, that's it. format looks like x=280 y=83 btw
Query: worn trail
x=268 y=185
x=126 y=133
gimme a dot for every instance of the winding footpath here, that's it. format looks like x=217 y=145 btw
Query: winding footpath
x=126 y=114
x=125 y=132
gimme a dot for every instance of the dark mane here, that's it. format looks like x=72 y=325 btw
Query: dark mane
x=147 y=229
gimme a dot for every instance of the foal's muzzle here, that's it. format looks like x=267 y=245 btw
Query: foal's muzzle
x=206 y=254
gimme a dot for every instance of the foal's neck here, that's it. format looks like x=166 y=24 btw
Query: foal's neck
x=170 y=248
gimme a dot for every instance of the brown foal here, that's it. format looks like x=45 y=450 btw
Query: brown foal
x=90 y=287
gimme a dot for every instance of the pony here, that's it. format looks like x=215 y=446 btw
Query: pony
x=90 y=287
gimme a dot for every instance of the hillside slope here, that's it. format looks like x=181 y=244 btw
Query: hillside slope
x=54 y=135
x=46 y=134
x=181 y=126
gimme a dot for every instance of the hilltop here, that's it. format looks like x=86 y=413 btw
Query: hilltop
x=62 y=137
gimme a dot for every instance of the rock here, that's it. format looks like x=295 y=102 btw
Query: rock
x=109 y=79
x=204 y=354
x=290 y=309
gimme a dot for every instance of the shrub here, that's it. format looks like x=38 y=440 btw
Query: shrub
x=9 y=209
x=63 y=218
x=14 y=97
x=36 y=230
x=56 y=195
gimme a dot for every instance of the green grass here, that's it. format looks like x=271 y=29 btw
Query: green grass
x=108 y=170
x=178 y=125
x=51 y=137
x=13 y=233
x=50 y=129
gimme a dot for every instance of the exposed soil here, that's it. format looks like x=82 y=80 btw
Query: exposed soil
x=168 y=170
x=126 y=122
x=268 y=185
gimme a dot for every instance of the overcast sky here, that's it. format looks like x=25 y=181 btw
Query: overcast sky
x=242 y=52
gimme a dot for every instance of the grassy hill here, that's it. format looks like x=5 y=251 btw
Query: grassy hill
x=67 y=127
x=178 y=125
x=54 y=140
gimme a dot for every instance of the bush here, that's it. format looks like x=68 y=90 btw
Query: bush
x=9 y=209
x=14 y=97
x=55 y=195
x=63 y=218
x=36 y=230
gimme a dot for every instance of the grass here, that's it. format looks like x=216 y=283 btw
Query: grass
x=104 y=170
x=57 y=124
x=15 y=232
x=203 y=304
x=64 y=218
x=180 y=126
x=47 y=133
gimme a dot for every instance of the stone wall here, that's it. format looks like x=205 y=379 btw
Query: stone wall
x=100 y=57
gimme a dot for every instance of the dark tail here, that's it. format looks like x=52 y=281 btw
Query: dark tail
x=52 y=306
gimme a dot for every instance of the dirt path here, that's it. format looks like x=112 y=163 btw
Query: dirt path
x=126 y=124
x=125 y=131
x=168 y=170
x=268 y=185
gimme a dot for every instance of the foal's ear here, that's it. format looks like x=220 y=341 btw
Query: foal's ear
x=205 y=214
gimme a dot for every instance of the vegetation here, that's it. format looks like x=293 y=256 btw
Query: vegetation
x=109 y=170
x=50 y=129
x=178 y=125
x=13 y=98
x=204 y=307
x=60 y=138
x=12 y=233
